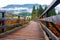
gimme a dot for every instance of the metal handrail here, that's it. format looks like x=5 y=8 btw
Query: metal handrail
x=51 y=6
x=45 y=13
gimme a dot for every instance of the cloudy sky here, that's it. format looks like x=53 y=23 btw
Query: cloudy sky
x=7 y=2
x=42 y=2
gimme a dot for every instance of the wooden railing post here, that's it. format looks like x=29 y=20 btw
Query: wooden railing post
x=18 y=19
x=3 y=22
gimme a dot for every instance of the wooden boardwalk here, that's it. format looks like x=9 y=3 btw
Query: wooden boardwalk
x=32 y=31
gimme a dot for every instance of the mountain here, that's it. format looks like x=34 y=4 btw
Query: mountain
x=18 y=6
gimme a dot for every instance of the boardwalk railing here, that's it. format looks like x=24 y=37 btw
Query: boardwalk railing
x=8 y=25
x=52 y=24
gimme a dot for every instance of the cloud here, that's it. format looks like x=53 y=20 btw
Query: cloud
x=6 y=2
x=17 y=10
x=20 y=8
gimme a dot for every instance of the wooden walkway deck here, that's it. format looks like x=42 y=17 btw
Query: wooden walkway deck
x=32 y=31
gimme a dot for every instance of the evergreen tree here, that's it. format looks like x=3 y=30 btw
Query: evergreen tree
x=33 y=12
x=40 y=10
x=45 y=7
x=37 y=12
x=52 y=12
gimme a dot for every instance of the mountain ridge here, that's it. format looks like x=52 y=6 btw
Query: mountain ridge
x=18 y=5
x=19 y=8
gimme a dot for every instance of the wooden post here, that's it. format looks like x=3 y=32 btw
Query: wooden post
x=18 y=19
x=3 y=22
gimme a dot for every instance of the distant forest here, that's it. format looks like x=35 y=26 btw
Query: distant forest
x=25 y=14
